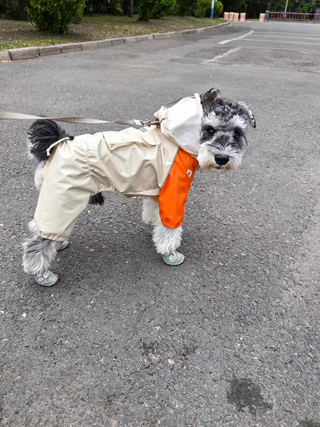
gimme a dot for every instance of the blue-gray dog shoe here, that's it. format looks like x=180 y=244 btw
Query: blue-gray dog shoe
x=47 y=278
x=64 y=245
x=176 y=258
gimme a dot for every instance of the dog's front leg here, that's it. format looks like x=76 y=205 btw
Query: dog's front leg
x=166 y=241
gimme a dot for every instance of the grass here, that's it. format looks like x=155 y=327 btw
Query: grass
x=15 y=34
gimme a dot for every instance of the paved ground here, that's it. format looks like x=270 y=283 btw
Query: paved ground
x=231 y=337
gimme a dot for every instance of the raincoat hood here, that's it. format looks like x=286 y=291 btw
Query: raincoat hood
x=181 y=123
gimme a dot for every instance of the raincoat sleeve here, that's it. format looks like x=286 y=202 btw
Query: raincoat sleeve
x=174 y=193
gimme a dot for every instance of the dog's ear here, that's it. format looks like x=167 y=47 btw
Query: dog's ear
x=209 y=97
x=248 y=112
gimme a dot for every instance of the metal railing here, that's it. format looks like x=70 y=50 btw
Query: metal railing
x=292 y=16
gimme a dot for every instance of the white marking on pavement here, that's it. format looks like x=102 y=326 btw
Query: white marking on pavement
x=282 y=41
x=288 y=37
x=237 y=38
x=216 y=58
x=297 y=36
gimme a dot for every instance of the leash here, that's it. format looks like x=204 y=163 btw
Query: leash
x=6 y=115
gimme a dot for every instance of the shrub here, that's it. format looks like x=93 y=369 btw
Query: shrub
x=203 y=9
x=155 y=9
x=240 y=6
x=114 y=7
x=186 y=7
x=218 y=9
x=145 y=9
x=54 y=16
x=163 y=8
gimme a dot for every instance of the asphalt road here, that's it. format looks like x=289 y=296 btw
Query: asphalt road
x=231 y=337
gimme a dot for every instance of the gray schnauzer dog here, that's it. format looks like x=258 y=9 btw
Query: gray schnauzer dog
x=206 y=131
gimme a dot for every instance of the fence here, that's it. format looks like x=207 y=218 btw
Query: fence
x=292 y=16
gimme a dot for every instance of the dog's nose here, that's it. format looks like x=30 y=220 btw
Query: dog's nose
x=221 y=159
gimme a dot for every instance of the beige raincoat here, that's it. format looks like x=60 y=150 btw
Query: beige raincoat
x=134 y=162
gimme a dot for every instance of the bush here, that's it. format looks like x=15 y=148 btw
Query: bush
x=145 y=9
x=218 y=9
x=240 y=6
x=54 y=16
x=203 y=9
x=163 y=8
x=155 y=9
x=114 y=7
x=186 y=7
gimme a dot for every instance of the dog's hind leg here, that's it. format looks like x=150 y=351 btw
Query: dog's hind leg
x=37 y=258
x=150 y=211
x=166 y=241
x=38 y=255
x=37 y=175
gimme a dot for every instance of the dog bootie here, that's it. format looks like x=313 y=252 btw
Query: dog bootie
x=64 y=245
x=47 y=278
x=173 y=259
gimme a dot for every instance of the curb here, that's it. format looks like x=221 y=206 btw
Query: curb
x=41 y=51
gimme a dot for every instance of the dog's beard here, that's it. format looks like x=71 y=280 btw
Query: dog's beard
x=206 y=159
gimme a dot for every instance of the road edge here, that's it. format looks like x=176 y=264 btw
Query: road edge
x=42 y=51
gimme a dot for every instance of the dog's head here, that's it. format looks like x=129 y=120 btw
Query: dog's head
x=223 y=132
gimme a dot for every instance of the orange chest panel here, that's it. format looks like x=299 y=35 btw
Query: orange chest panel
x=174 y=193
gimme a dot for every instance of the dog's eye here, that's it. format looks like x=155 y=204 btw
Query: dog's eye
x=210 y=131
x=238 y=133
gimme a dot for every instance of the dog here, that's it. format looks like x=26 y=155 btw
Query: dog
x=206 y=131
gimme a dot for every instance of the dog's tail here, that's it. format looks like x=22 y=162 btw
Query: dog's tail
x=97 y=199
x=42 y=134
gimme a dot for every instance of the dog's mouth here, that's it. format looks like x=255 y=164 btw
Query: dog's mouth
x=221 y=170
x=218 y=162
x=214 y=167
x=211 y=166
